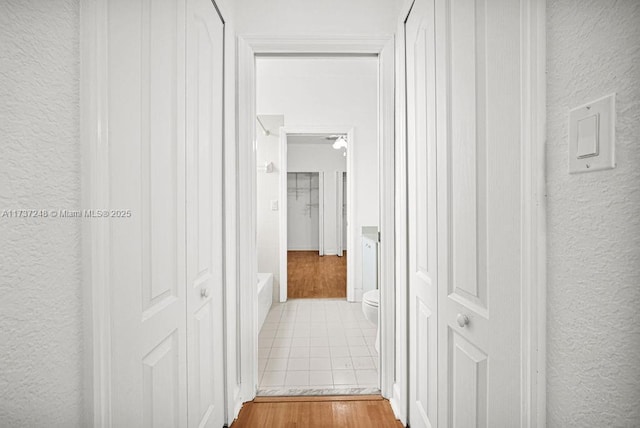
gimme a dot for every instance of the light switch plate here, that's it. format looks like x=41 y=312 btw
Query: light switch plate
x=592 y=136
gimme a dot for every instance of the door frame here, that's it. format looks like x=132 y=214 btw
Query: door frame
x=533 y=184
x=283 y=216
x=340 y=212
x=247 y=49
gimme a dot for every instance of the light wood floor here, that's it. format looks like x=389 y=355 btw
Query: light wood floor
x=312 y=276
x=317 y=412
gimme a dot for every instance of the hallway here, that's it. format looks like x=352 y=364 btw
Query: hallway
x=500 y=143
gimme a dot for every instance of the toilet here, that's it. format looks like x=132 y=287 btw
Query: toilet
x=370 y=305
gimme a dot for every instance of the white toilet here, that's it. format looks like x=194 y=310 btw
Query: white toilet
x=370 y=305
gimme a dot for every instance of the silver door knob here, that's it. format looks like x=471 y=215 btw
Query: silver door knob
x=204 y=293
x=463 y=320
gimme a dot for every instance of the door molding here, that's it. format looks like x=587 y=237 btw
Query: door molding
x=534 y=230
x=283 y=216
x=95 y=193
x=247 y=48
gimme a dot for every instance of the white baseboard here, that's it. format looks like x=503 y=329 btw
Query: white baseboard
x=395 y=404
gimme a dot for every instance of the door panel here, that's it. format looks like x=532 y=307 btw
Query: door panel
x=468 y=162
x=146 y=170
x=468 y=368
x=205 y=65
x=421 y=155
x=161 y=396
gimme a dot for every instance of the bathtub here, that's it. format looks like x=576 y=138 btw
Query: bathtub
x=265 y=296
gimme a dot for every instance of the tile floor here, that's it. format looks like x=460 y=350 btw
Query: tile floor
x=316 y=344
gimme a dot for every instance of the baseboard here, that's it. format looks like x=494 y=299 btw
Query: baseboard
x=395 y=401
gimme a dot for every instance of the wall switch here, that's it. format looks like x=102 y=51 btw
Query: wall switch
x=274 y=205
x=592 y=136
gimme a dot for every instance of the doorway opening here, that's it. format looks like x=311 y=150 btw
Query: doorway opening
x=316 y=337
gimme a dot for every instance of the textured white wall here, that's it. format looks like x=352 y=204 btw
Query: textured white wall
x=594 y=221
x=40 y=288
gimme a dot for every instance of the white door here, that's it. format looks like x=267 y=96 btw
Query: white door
x=422 y=224
x=205 y=257
x=146 y=140
x=166 y=340
x=479 y=211
x=463 y=129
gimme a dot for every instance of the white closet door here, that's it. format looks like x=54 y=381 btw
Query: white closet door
x=422 y=224
x=479 y=210
x=205 y=256
x=464 y=167
x=146 y=61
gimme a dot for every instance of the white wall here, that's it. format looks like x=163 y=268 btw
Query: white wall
x=40 y=276
x=313 y=17
x=325 y=92
x=593 y=221
x=321 y=158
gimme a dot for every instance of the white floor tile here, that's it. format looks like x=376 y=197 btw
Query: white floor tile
x=342 y=377
x=367 y=377
x=337 y=341
x=356 y=341
x=273 y=379
x=276 y=364
x=320 y=377
x=319 y=341
x=297 y=378
x=298 y=364
x=359 y=351
x=299 y=341
x=321 y=363
x=341 y=363
x=299 y=352
x=318 y=331
x=279 y=353
x=321 y=351
x=360 y=363
x=340 y=351
x=370 y=341
x=301 y=333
